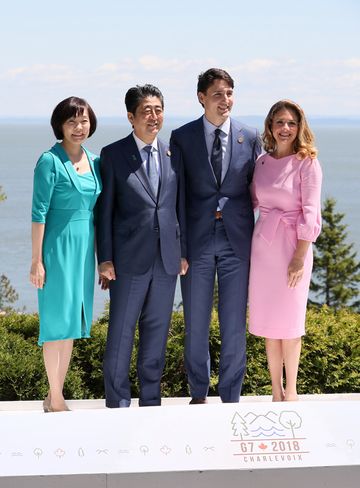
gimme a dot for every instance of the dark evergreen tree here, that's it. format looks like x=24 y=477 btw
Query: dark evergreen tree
x=336 y=274
x=8 y=294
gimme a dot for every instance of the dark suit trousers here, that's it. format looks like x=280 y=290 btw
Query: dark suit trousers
x=197 y=291
x=148 y=298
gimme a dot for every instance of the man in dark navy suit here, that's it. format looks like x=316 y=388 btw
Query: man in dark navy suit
x=217 y=155
x=139 y=236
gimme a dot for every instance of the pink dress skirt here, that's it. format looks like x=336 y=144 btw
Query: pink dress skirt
x=286 y=192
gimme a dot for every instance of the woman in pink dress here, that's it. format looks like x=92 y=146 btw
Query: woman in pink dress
x=286 y=190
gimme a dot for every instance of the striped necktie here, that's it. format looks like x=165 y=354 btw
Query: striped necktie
x=151 y=169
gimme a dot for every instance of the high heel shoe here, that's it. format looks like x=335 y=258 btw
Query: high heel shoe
x=47 y=404
x=50 y=409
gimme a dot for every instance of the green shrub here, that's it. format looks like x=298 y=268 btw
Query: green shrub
x=330 y=361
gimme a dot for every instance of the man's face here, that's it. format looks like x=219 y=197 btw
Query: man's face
x=148 y=119
x=217 y=101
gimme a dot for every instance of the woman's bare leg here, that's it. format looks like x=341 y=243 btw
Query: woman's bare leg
x=57 y=355
x=291 y=352
x=276 y=364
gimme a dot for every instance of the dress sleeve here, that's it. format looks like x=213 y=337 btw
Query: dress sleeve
x=309 y=221
x=44 y=182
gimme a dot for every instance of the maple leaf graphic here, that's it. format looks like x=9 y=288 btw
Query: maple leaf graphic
x=263 y=446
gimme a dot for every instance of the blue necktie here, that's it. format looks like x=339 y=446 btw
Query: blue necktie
x=216 y=156
x=151 y=169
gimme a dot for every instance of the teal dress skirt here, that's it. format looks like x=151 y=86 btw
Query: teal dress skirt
x=64 y=201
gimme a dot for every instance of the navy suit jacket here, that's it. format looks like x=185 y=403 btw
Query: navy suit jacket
x=130 y=219
x=188 y=149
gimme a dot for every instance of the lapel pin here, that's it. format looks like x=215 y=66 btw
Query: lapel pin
x=168 y=153
x=240 y=139
x=134 y=157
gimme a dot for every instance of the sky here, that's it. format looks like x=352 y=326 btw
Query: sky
x=305 y=50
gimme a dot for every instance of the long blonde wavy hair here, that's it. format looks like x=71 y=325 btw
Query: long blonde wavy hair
x=304 y=144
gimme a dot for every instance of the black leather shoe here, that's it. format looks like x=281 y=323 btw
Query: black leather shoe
x=198 y=401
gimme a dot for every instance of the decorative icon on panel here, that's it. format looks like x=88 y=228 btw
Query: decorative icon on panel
x=350 y=444
x=102 y=451
x=290 y=420
x=269 y=425
x=59 y=452
x=165 y=450
x=144 y=450
x=188 y=450
x=38 y=452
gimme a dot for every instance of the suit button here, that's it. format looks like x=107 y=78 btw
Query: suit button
x=156 y=229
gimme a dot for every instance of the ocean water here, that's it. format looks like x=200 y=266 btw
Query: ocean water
x=22 y=143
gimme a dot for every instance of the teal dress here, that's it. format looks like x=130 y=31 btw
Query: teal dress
x=64 y=201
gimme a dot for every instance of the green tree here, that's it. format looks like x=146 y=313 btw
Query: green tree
x=336 y=274
x=8 y=294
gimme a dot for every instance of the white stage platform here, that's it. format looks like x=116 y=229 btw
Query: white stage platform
x=314 y=442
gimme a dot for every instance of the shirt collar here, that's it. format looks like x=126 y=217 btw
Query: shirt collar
x=210 y=128
x=141 y=144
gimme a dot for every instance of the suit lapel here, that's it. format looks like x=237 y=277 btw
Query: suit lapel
x=164 y=159
x=237 y=139
x=133 y=156
x=67 y=165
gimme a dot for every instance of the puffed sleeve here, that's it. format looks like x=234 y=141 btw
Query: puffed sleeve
x=309 y=221
x=44 y=182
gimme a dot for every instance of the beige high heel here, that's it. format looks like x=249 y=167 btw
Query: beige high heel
x=51 y=409
x=47 y=403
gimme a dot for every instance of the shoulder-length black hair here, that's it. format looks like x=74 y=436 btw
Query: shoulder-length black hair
x=71 y=107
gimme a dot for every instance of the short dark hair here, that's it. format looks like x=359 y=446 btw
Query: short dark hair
x=207 y=78
x=137 y=93
x=71 y=107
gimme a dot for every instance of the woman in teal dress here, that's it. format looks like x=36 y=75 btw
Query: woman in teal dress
x=66 y=187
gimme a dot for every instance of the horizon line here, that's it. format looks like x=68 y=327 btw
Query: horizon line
x=182 y=117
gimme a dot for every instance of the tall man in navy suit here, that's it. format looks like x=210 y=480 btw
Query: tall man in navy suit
x=139 y=230
x=217 y=155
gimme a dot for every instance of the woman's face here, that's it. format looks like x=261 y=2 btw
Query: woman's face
x=76 y=129
x=284 y=128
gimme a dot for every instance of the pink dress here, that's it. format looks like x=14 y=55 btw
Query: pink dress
x=286 y=192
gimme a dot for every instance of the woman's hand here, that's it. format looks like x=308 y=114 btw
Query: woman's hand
x=295 y=271
x=37 y=274
x=104 y=283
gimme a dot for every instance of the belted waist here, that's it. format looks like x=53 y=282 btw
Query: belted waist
x=68 y=215
x=270 y=219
